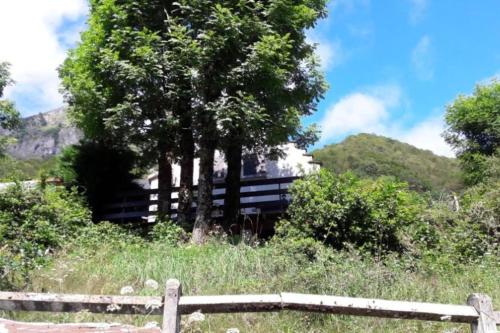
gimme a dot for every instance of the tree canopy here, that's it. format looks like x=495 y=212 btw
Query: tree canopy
x=474 y=129
x=166 y=77
x=9 y=117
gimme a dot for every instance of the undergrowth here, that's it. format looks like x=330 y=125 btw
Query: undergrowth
x=221 y=268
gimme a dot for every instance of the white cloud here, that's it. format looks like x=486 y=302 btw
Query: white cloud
x=31 y=42
x=360 y=112
x=417 y=10
x=369 y=111
x=427 y=135
x=422 y=59
x=330 y=53
x=355 y=112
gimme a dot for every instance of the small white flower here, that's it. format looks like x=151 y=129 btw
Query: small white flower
x=113 y=308
x=233 y=330
x=196 y=317
x=151 y=284
x=126 y=290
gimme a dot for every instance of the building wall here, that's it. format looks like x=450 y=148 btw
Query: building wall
x=296 y=162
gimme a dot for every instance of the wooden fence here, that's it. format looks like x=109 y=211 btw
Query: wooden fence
x=478 y=312
x=268 y=195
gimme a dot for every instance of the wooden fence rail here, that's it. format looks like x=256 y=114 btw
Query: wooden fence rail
x=478 y=312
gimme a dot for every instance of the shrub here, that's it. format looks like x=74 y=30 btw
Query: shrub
x=469 y=233
x=377 y=216
x=33 y=223
x=96 y=235
x=168 y=232
x=481 y=212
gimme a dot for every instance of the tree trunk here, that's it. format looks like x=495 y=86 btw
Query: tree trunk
x=205 y=185
x=164 y=184
x=184 y=217
x=208 y=139
x=232 y=197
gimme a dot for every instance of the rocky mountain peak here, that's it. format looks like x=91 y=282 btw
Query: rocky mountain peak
x=44 y=135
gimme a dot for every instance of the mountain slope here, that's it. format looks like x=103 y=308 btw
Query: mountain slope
x=369 y=155
x=43 y=135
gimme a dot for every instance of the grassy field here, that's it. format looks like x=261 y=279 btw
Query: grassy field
x=221 y=268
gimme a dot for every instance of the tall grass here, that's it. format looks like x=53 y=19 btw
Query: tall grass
x=222 y=268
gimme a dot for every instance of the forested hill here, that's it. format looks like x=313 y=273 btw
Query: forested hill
x=369 y=155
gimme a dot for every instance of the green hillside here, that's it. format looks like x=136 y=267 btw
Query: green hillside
x=369 y=155
x=12 y=168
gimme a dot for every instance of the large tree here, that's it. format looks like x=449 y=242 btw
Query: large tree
x=127 y=83
x=9 y=117
x=474 y=129
x=162 y=75
x=256 y=76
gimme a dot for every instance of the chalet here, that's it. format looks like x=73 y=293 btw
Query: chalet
x=264 y=185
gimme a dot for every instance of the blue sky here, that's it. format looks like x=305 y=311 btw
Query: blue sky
x=392 y=65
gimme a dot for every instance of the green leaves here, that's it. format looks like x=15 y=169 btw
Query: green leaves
x=34 y=222
x=9 y=117
x=237 y=71
x=340 y=210
x=474 y=128
x=5 y=79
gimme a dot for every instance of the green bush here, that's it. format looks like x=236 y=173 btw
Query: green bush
x=469 y=233
x=474 y=231
x=99 y=234
x=481 y=211
x=378 y=216
x=34 y=223
x=168 y=232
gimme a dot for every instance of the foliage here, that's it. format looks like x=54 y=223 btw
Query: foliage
x=467 y=235
x=481 y=208
x=117 y=81
x=168 y=232
x=377 y=216
x=372 y=156
x=474 y=129
x=33 y=223
x=94 y=235
x=220 y=268
x=16 y=169
x=9 y=117
x=224 y=71
x=97 y=170
x=382 y=215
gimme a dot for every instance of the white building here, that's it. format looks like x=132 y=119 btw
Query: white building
x=269 y=179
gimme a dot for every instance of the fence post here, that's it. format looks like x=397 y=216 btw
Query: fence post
x=171 y=314
x=486 y=322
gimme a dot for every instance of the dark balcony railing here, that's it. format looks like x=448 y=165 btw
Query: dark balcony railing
x=259 y=195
